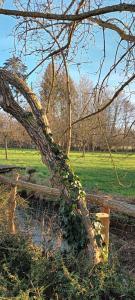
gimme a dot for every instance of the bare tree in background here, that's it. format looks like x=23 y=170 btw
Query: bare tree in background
x=4 y=134
x=54 y=98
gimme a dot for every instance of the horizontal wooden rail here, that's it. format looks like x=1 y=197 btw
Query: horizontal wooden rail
x=108 y=201
x=31 y=186
x=9 y=168
x=101 y=200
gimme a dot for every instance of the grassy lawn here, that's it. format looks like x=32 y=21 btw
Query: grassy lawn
x=95 y=169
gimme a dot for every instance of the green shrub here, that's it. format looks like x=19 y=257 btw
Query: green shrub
x=15 y=263
x=25 y=273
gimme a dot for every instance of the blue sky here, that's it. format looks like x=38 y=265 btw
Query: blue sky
x=90 y=57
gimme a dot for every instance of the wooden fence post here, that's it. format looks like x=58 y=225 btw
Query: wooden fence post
x=12 y=206
x=106 y=225
x=102 y=228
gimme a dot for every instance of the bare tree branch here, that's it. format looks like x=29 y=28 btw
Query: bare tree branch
x=122 y=33
x=126 y=83
x=72 y=17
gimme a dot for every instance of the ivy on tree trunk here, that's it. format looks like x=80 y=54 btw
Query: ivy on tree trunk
x=75 y=220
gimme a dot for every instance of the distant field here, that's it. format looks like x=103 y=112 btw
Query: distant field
x=95 y=169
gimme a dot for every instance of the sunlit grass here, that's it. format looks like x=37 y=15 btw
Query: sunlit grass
x=95 y=170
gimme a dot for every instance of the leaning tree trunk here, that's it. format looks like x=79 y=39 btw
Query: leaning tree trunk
x=75 y=218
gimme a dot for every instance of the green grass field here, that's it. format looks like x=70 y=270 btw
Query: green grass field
x=95 y=169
